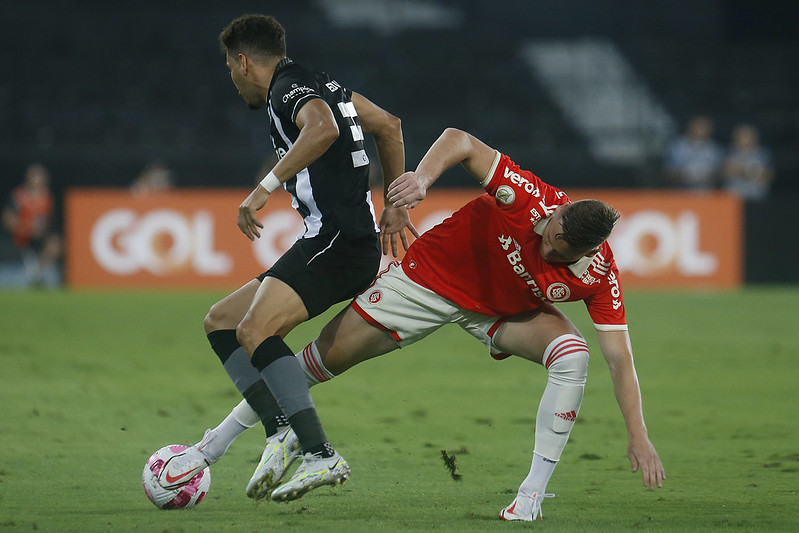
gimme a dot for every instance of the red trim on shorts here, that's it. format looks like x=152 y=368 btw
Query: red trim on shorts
x=358 y=309
x=491 y=332
x=493 y=329
x=379 y=274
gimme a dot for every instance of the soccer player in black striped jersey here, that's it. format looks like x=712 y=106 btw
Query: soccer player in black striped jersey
x=317 y=129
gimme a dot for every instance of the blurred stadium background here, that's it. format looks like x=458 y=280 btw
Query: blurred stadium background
x=587 y=94
x=98 y=90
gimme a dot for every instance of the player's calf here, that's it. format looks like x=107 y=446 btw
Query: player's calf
x=566 y=359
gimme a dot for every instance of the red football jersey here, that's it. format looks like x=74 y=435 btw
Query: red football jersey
x=34 y=212
x=486 y=256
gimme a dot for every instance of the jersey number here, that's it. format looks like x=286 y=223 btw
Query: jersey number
x=347 y=109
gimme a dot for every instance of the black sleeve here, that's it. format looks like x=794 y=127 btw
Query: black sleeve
x=292 y=91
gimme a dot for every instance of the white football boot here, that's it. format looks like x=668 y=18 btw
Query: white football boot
x=180 y=469
x=314 y=471
x=525 y=507
x=281 y=450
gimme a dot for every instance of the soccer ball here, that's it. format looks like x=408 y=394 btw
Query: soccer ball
x=184 y=497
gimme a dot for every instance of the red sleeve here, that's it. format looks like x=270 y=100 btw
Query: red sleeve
x=606 y=306
x=521 y=190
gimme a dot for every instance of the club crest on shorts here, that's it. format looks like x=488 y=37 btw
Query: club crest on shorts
x=505 y=195
x=375 y=297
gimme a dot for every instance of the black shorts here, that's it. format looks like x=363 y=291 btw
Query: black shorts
x=328 y=269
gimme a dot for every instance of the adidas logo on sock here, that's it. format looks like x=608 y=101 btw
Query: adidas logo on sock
x=571 y=416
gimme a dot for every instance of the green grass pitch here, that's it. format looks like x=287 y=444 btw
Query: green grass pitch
x=91 y=383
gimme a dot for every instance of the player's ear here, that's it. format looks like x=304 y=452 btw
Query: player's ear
x=243 y=62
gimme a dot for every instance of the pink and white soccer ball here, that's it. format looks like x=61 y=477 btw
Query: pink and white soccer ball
x=184 y=497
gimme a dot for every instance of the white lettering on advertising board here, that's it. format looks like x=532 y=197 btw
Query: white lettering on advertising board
x=160 y=242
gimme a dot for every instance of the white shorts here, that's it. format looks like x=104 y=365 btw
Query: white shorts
x=410 y=312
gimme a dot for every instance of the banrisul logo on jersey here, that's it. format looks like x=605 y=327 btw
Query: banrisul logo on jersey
x=515 y=261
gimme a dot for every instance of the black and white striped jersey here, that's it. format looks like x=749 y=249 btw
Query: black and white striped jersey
x=332 y=194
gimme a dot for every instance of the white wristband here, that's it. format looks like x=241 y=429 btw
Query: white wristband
x=270 y=182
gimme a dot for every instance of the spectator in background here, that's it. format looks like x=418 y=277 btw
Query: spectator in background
x=155 y=177
x=748 y=167
x=28 y=218
x=694 y=160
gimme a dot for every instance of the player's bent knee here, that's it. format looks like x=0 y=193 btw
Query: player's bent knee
x=249 y=335
x=566 y=359
x=218 y=317
x=251 y=332
x=210 y=322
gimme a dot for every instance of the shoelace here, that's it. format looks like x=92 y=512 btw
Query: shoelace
x=539 y=500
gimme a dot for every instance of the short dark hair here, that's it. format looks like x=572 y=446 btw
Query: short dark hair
x=587 y=223
x=258 y=35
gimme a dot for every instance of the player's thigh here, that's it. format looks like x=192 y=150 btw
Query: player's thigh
x=393 y=312
x=528 y=335
x=407 y=311
x=276 y=309
x=228 y=312
x=348 y=339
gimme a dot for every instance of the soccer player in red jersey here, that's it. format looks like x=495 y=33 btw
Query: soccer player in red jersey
x=496 y=267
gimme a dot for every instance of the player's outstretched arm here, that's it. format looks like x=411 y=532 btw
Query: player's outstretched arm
x=318 y=131
x=387 y=132
x=451 y=148
x=617 y=350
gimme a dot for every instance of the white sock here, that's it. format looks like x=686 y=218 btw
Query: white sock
x=538 y=478
x=245 y=415
x=566 y=359
x=311 y=362
x=223 y=435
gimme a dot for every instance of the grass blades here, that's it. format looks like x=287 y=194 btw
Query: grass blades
x=91 y=383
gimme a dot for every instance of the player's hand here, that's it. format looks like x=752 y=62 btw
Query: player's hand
x=393 y=222
x=247 y=221
x=407 y=190
x=643 y=456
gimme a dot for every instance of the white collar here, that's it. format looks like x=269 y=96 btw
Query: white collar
x=579 y=267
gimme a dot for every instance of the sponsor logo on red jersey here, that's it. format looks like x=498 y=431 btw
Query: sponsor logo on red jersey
x=522 y=182
x=515 y=260
x=614 y=290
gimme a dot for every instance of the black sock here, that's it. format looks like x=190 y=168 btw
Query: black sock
x=286 y=380
x=223 y=342
x=262 y=402
x=309 y=432
x=247 y=379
